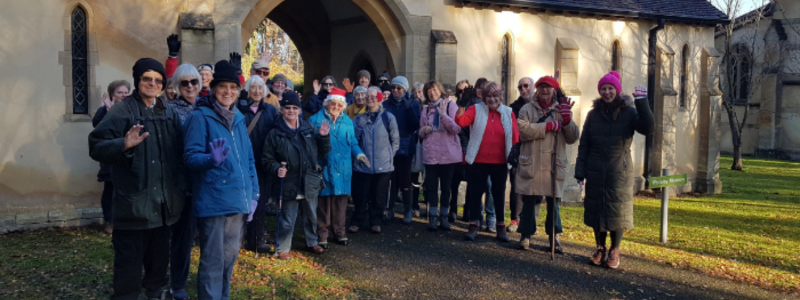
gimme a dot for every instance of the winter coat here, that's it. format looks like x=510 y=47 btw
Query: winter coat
x=105 y=170
x=534 y=175
x=227 y=188
x=337 y=166
x=314 y=103
x=352 y=110
x=604 y=160
x=516 y=107
x=265 y=124
x=492 y=133
x=442 y=146
x=301 y=149
x=406 y=113
x=378 y=144
x=149 y=179
x=183 y=108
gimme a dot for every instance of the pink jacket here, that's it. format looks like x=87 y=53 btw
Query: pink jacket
x=442 y=146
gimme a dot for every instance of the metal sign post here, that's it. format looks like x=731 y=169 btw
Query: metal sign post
x=664 y=182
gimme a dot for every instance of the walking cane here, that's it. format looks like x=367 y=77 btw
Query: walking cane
x=280 y=206
x=555 y=203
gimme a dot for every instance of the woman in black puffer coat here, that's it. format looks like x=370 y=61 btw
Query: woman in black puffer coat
x=604 y=161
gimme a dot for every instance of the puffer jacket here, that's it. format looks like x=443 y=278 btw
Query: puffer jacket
x=301 y=149
x=378 y=144
x=604 y=161
x=406 y=113
x=337 y=166
x=442 y=146
x=534 y=175
x=227 y=188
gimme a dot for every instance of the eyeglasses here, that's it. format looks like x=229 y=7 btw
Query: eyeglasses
x=545 y=87
x=336 y=104
x=262 y=73
x=326 y=84
x=523 y=86
x=398 y=88
x=383 y=80
x=148 y=79
x=186 y=83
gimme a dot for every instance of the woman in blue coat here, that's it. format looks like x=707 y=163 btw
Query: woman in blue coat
x=225 y=184
x=337 y=167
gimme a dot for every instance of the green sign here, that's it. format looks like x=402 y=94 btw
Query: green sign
x=665 y=181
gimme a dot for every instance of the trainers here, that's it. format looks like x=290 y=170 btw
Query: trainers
x=525 y=243
x=416 y=213
x=444 y=223
x=512 y=227
x=323 y=245
x=472 y=233
x=375 y=229
x=613 y=258
x=353 y=229
x=491 y=226
x=599 y=256
x=342 y=240
x=283 y=255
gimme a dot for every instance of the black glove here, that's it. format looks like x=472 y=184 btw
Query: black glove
x=466 y=97
x=236 y=61
x=174 y=45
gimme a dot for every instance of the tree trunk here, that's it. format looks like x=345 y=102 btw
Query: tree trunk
x=736 y=138
x=737 y=158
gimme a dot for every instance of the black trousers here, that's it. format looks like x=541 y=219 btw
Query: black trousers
x=435 y=176
x=134 y=249
x=370 y=198
x=254 y=230
x=477 y=178
x=106 y=201
x=401 y=178
x=514 y=201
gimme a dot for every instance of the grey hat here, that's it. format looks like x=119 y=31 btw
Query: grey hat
x=260 y=64
x=363 y=73
x=401 y=81
x=279 y=77
x=289 y=84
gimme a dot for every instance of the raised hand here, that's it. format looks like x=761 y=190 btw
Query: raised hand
x=107 y=101
x=348 y=86
x=558 y=74
x=641 y=92
x=174 y=45
x=324 y=128
x=466 y=96
x=218 y=151
x=565 y=109
x=132 y=138
x=443 y=107
x=265 y=56
x=236 y=61
x=317 y=86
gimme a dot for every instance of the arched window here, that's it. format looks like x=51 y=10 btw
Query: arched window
x=80 y=69
x=505 y=66
x=741 y=61
x=616 y=57
x=684 y=75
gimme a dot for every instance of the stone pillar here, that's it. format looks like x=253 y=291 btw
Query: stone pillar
x=766 y=116
x=666 y=112
x=416 y=60
x=197 y=38
x=567 y=61
x=444 y=56
x=708 y=128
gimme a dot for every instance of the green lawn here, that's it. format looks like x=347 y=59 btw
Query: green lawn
x=77 y=264
x=750 y=233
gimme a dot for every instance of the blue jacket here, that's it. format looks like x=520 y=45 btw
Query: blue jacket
x=227 y=188
x=337 y=167
x=378 y=144
x=407 y=113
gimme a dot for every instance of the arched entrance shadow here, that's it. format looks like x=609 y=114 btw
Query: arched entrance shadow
x=362 y=61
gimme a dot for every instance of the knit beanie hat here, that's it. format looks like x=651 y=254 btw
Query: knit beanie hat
x=547 y=80
x=279 y=77
x=384 y=75
x=363 y=73
x=289 y=84
x=148 y=64
x=611 y=78
x=290 y=98
x=205 y=67
x=401 y=81
x=336 y=94
x=225 y=71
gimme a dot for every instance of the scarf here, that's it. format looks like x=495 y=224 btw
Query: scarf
x=227 y=113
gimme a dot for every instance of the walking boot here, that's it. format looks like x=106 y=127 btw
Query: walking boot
x=444 y=223
x=558 y=248
x=472 y=232
x=599 y=256
x=408 y=211
x=512 y=227
x=525 y=242
x=501 y=234
x=433 y=219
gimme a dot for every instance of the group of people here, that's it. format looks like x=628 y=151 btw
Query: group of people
x=197 y=150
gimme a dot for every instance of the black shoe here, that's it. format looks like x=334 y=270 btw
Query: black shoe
x=342 y=240
x=324 y=245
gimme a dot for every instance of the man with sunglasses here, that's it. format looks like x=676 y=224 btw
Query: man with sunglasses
x=142 y=138
x=384 y=79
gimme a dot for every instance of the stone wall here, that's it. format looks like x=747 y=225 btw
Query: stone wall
x=47 y=219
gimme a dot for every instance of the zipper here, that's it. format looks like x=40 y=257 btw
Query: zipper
x=244 y=186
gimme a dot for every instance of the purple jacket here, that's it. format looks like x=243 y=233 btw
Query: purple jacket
x=442 y=146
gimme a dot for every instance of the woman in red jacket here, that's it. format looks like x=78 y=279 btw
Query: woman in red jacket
x=493 y=129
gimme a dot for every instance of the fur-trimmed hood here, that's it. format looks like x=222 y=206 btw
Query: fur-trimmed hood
x=627 y=100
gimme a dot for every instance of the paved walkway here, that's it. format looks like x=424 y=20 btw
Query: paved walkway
x=408 y=262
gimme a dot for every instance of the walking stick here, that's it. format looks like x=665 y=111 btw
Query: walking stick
x=555 y=203
x=280 y=206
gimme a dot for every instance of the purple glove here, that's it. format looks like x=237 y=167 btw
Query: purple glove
x=253 y=205
x=218 y=151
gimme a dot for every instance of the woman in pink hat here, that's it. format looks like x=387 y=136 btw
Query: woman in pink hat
x=604 y=161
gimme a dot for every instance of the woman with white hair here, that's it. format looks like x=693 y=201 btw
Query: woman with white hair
x=259 y=117
x=337 y=167
x=359 y=102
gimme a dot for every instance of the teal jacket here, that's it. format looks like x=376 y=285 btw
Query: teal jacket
x=337 y=166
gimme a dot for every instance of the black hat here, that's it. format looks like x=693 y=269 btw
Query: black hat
x=148 y=64
x=290 y=98
x=225 y=71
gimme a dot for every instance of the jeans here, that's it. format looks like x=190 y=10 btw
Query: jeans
x=288 y=216
x=435 y=176
x=107 y=200
x=477 y=183
x=370 y=198
x=529 y=217
x=400 y=178
x=181 y=246
x=331 y=216
x=134 y=249
x=219 y=248
x=489 y=202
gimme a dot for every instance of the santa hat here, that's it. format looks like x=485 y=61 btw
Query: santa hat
x=611 y=78
x=336 y=94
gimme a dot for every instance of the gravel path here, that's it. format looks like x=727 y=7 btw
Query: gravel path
x=408 y=262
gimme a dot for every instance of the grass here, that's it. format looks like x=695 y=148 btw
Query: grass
x=749 y=233
x=77 y=264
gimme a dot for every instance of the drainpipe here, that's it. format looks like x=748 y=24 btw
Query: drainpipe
x=652 y=41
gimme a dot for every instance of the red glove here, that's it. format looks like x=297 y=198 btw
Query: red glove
x=553 y=126
x=566 y=112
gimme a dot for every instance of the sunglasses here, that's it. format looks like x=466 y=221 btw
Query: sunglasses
x=383 y=80
x=523 y=86
x=186 y=83
x=148 y=79
x=262 y=73
x=326 y=84
x=398 y=88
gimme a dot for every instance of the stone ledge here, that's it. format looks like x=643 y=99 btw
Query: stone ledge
x=64 y=215
x=31 y=218
x=65 y=223
x=47 y=219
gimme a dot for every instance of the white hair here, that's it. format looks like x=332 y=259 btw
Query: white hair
x=186 y=72
x=257 y=81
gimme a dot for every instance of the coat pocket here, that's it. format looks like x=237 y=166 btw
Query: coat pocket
x=313 y=185
x=561 y=169
x=526 y=167
x=132 y=207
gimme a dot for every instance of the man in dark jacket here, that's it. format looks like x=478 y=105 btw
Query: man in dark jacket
x=525 y=88
x=143 y=139
x=406 y=111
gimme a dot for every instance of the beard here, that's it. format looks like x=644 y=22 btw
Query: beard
x=528 y=97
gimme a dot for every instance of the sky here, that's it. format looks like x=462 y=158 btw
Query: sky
x=747 y=5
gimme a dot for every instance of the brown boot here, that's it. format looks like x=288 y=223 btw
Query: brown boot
x=599 y=255
x=613 y=258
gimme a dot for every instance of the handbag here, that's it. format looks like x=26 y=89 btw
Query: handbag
x=416 y=164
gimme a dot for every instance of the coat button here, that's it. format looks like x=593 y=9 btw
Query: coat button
x=223 y=181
